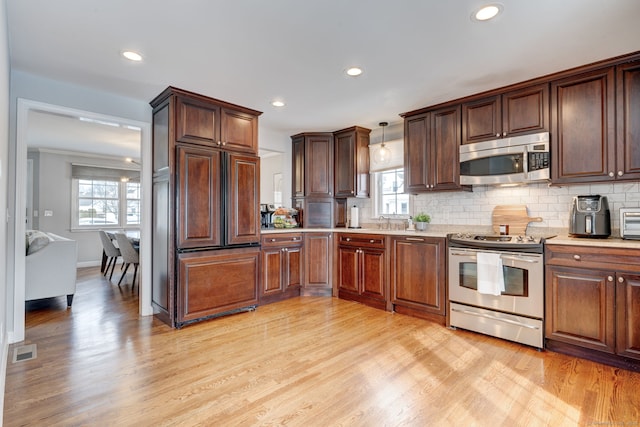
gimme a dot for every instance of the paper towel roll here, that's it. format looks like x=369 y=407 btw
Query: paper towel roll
x=355 y=217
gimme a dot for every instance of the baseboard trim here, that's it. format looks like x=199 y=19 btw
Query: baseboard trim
x=88 y=264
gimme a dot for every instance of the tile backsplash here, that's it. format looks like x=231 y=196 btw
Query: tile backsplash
x=550 y=203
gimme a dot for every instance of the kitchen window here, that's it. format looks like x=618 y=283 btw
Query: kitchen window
x=389 y=197
x=105 y=198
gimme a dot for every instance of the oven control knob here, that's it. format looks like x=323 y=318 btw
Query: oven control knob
x=519 y=238
x=531 y=239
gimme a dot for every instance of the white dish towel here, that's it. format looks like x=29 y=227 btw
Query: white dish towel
x=490 y=276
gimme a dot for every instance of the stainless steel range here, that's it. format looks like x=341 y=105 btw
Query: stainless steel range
x=501 y=295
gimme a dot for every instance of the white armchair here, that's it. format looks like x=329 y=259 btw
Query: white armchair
x=50 y=266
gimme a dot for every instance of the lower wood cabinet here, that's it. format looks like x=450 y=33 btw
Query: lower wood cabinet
x=318 y=264
x=361 y=261
x=282 y=266
x=418 y=277
x=592 y=306
x=215 y=282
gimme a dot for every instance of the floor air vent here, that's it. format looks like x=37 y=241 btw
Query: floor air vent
x=24 y=352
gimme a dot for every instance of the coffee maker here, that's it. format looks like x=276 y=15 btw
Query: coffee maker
x=266 y=212
x=590 y=217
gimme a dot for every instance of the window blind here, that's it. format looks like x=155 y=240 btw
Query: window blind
x=103 y=173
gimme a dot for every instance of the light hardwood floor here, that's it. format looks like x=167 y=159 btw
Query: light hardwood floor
x=308 y=361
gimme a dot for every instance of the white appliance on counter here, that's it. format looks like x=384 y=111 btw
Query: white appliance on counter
x=630 y=223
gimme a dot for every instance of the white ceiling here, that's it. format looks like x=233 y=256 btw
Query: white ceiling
x=414 y=53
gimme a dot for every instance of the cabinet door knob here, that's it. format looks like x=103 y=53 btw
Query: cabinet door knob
x=273 y=240
x=219 y=143
x=576 y=257
x=504 y=133
x=621 y=279
x=611 y=174
x=348 y=239
x=620 y=173
x=497 y=135
x=610 y=278
x=372 y=241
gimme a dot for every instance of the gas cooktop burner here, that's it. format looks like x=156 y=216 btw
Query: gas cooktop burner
x=520 y=243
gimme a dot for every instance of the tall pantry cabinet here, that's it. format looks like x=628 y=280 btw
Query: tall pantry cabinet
x=206 y=220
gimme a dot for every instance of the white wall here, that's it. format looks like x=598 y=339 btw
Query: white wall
x=36 y=88
x=279 y=142
x=4 y=155
x=54 y=191
x=550 y=203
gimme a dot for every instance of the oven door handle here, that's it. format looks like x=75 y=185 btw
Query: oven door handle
x=511 y=322
x=515 y=258
x=504 y=257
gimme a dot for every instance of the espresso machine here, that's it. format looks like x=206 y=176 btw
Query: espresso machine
x=266 y=214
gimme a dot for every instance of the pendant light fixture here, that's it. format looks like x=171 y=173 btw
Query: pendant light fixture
x=383 y=155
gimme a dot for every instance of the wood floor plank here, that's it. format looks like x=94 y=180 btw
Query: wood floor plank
x=301 y=362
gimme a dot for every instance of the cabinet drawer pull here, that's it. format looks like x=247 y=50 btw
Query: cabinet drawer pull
x=414 y=239
x=609 y=278
x=273 y=240
x=577 y=257
x=372 y=241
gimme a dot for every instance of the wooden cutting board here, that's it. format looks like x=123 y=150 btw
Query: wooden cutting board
x=515 y=216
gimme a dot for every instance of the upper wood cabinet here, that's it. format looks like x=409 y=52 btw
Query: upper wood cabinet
x=297 y=168
x=513 y=113
x=243 y=199
x=432 y=151
x=583 y=131
x=201 y=120
x=312 y=164
x=199 y=197
x=416 y=153
x=351 y=162
x=628 y=121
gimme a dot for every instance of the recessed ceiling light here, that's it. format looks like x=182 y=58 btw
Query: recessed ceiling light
x=354 y=71
x=487 y=12
x=277 y=103
x=132 y=56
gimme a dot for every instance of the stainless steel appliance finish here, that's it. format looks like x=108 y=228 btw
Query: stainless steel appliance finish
x=517 y=313
x=630 y=223
x=590 y=217
x=519 y=159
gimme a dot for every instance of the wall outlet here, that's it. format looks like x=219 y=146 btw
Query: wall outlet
x=48 y=212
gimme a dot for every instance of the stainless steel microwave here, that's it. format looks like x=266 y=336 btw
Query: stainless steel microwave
x=515 y=160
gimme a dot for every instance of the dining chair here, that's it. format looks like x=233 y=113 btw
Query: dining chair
x=129 y=256
x=110 y=251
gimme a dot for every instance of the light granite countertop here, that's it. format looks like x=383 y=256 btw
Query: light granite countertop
x=560 y=236
x=609 y=242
